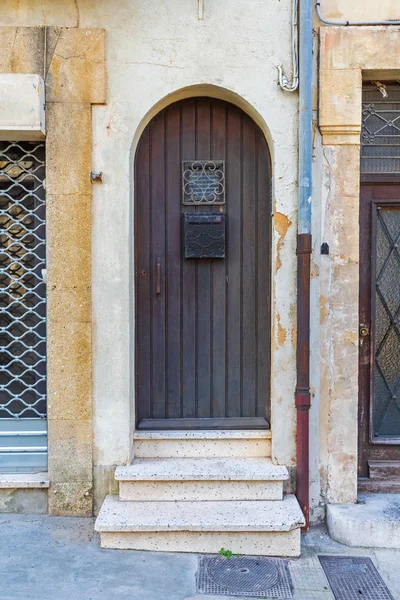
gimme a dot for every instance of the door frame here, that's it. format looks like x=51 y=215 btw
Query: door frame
x=369 y=447
x=240 y=423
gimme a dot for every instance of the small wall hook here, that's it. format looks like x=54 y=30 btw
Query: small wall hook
x=96 y=177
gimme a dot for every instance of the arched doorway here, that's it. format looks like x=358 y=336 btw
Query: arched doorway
x=202 y=269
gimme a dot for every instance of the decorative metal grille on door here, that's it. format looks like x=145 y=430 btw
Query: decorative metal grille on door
x=22 y=305
x=380 y=135
x=386 y=418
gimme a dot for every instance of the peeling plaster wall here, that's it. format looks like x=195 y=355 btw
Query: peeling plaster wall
x=155 y=48
x=347 y=54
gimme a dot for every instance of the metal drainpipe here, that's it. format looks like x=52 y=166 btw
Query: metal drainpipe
x=302 y=395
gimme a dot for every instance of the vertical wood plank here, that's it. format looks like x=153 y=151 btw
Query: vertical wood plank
x=173 y=261
x=203 y=305
x=157 y=196
x=365 y=362
x=142 y=278
x=188 y=283
x=218 y=279
x=233 y=259
x=248 y=274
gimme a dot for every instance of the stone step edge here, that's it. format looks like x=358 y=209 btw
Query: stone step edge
x=24 y=480
x=223 y=434
x=201 y=469
x=266 y=543
x=372 y=522
x=231 y=515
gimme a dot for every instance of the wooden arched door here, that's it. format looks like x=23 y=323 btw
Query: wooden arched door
x=202 y=269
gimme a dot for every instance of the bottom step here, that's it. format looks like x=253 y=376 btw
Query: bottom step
x=270 y=528
x=372 y=522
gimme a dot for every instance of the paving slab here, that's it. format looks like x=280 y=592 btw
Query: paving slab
x=47 y=558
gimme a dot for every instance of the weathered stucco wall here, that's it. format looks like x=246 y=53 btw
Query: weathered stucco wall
x=157 y=52
x=153 y=49
x=163 y=55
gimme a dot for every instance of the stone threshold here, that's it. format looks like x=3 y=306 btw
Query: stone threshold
x=374 y=522
x=203 y=434
x=24 y=480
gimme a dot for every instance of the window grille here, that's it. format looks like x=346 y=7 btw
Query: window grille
x=380 y=134
x=203 y=182
x=22 y=306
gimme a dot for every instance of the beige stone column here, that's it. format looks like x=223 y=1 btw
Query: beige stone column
x=345 y=54
x=75 y=80
x=72 y=62
x=340 y=124
x=69 y=308
x=339 y=329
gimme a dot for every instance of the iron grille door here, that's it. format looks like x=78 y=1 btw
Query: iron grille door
x=23 y=428
x=379 y=299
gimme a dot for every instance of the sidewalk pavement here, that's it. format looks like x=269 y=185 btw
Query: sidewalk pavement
x=58 y=558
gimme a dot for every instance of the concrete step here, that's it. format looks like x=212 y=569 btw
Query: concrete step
x=158 y=479
x=269 y=528
x=373 y=522
x=202 y=444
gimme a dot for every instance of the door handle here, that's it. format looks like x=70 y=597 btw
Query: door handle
x=158 y=274
x=363 y=333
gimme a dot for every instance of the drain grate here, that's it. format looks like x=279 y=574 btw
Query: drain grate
x=245 y=576
x=354 y=577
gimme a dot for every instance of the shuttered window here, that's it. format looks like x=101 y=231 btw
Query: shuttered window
x=23 y=444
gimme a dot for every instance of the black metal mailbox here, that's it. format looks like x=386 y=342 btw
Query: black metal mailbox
x=204 y=235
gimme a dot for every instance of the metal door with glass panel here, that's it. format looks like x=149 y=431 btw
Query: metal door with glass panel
x=23 y=431
x=379 y=308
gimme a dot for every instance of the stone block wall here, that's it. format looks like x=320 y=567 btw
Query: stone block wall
x=72 y=63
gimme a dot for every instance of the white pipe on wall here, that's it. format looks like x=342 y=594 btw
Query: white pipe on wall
x=286 y=85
